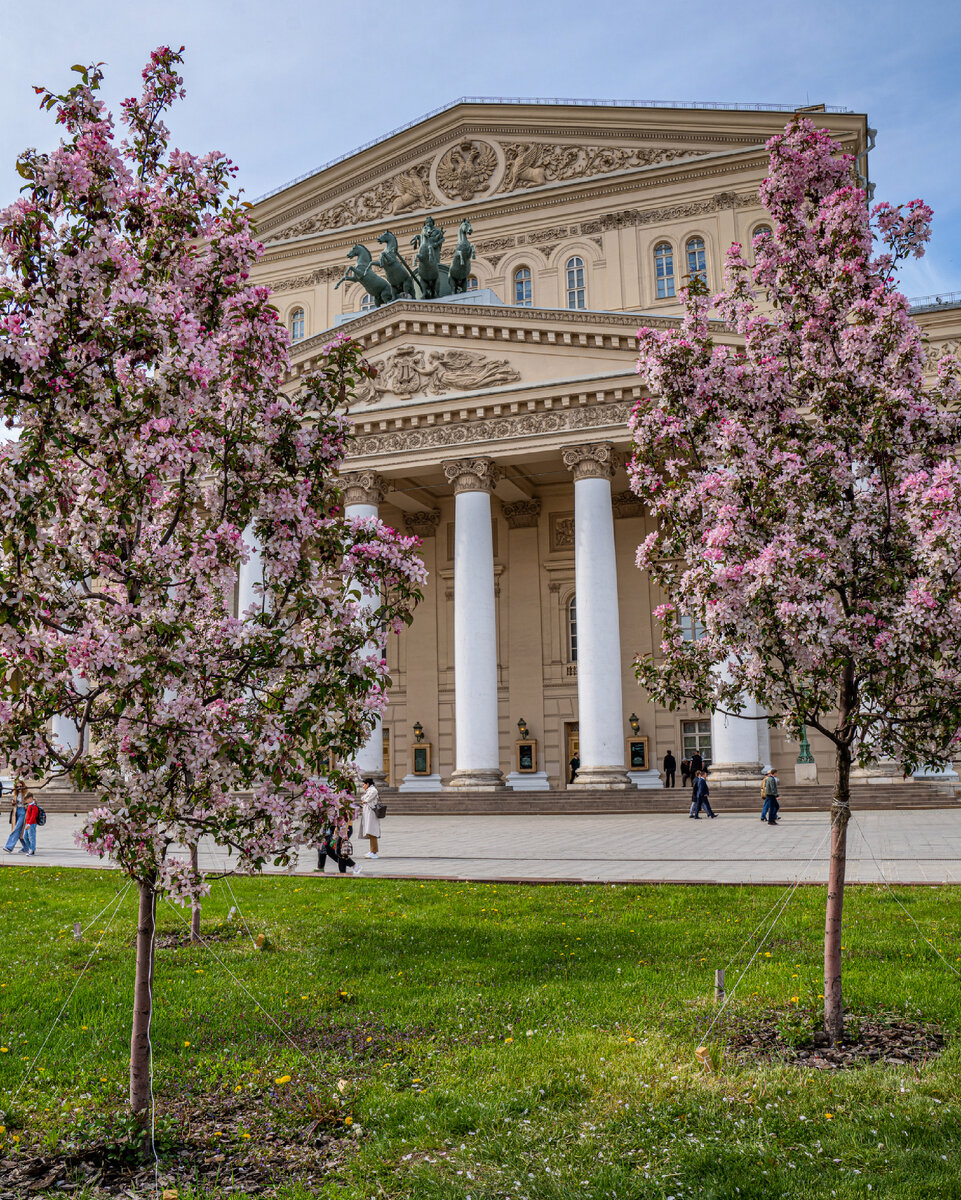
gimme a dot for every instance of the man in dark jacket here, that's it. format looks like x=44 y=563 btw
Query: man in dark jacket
x=697 y=764
x=701 y=797
x=670 y=769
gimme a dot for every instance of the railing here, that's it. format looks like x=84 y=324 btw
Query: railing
x=941 y=300
x=706 y=104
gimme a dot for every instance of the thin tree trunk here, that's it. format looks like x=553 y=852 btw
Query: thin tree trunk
x=143 y=1002
x=194 y=904
x=840 y=815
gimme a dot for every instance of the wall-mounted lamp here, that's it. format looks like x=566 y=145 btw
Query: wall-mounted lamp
x=522 y=729
x=418 y=732
x=634 y=724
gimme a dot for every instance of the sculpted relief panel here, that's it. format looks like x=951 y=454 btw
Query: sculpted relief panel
x=475 y=167
x=408 y=371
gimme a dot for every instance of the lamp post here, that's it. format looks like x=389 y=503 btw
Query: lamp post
x=634 y=723
x=804 y=753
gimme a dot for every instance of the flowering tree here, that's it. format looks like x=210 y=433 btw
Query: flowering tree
x=159 y=468
x=807 y=491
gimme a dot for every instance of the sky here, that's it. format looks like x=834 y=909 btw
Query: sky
x=283 y=88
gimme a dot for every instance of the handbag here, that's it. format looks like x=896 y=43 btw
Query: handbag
x=380 y=810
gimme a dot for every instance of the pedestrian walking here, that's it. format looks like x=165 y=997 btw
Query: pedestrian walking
x=18 y=811
x=345 y=849
x=702 y=798
x=670 y=769
x=31 y=818
x=772 y=805
x=327 y=846
x=369 y=818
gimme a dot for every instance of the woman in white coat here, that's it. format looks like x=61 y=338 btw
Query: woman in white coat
x=369 y=821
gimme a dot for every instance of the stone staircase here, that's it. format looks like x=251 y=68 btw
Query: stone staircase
x=572 y=802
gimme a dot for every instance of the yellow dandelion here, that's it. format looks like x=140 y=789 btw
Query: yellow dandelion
x=186 y=1043
x=830 y=1116
x=245 y=1135
x=629 y=1040
x=508 y=1039
x=282 y=1079
x=348 y=1120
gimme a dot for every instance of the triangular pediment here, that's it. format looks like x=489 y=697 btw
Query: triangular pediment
x=479 y=153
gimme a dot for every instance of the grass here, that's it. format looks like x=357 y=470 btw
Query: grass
x=495 y=1041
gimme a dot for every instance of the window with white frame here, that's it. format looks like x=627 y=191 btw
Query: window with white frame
x=576 y=291
x=523 y=289
x=572 y=629
x=297 y=325
x=696 y=735
x=367 y=302
x=472 y=284
x=664 y=270
x=691 y=630
x=697 y=259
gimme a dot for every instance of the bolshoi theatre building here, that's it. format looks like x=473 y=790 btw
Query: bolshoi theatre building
x=495 y=260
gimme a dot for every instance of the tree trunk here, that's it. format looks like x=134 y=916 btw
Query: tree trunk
x=194 y=904
x=840 y=815
x=140 y=1097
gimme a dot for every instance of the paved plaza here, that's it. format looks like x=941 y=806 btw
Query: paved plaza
x=921 y=846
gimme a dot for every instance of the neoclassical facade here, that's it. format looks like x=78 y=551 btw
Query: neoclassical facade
x=496 y=430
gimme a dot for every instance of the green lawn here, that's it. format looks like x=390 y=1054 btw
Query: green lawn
x=492 y=1041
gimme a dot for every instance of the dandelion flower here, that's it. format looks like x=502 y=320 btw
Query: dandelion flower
x=282 y=1079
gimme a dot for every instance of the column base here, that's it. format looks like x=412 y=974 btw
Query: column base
x=731 y=774
x=379 y=778
x=945 y=774
x=476 y=779
x=420 y=783
x=601 y=779
x=529 y=781
x=646 y=779
x=882 y=773
x=805 y=772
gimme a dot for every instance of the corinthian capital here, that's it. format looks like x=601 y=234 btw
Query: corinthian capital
x=472 y=474
x=592 y=460
x=362 y=487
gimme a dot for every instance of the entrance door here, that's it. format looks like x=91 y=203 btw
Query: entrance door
x=573 y=741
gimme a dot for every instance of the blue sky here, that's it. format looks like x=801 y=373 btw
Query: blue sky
x=282 y=88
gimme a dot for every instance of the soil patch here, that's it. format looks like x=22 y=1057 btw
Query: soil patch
x=179 y=939
x=793 y=1037
x=246 y=1144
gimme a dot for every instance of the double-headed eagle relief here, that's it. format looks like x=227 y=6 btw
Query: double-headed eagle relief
x=427 y=279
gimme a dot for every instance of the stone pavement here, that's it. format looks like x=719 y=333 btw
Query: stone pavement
x=921 y=846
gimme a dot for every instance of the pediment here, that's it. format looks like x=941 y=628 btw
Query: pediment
x=473 y=167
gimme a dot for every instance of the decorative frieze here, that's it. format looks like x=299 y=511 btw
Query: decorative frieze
x=422 y=524
x=626 y=504
x=561 y=531
x=466 y=169
x=472 y=474
x=362 y=487
x=629 y=217
x=493 y=429
x=532 y=164
x=522 y=514
x=592 y=460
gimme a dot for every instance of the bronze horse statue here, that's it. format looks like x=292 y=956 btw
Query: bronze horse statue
x=460 y=264
x=428 y=244
x=364 y=274
x=399 y=275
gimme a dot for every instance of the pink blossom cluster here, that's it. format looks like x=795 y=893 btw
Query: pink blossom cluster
x=803 y=479
x=158 y=463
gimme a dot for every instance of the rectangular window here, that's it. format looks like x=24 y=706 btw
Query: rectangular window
x=696 y=735
x=692 y=630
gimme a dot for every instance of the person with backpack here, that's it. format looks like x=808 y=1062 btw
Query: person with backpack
x=32 y=817
x=770 y=791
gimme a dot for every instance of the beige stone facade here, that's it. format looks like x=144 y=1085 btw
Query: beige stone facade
x=575 y=211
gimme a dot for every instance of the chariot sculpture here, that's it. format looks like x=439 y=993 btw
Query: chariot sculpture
x=427 y=279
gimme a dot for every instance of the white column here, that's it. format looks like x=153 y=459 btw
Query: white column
x=600 y=705
x=363 y=492
x=250 y=573
x=736 y=746
x=476 y=746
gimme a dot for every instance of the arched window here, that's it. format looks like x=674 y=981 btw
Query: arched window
x=297 y=325
x=696 y=259
x=762 y=229
x=576 y=292
x=367 y=302
x=664 y=270
x=572 y=629
x=472 y=283
x=523 y=293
